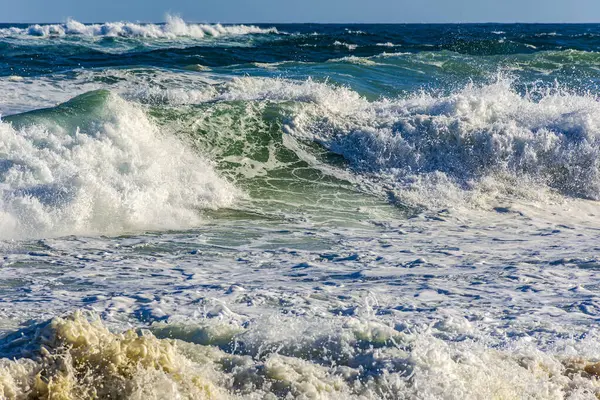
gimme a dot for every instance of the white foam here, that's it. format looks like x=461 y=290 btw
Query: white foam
x=355 y=60
x=349 y=46
x=145 y=85
x=488 y=138
x=118 y=175
x=357 y=32
x=358 y=360
x=173 y=28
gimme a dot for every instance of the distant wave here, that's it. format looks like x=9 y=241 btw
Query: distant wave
x=173 y=28
x=349 y=46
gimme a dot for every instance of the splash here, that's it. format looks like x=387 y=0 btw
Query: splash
x=437 y=149
x=96 y=165
x=77 y=357
x=173 y=28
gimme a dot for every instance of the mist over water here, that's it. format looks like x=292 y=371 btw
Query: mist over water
x=299 y=211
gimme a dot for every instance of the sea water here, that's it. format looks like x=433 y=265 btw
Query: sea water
x=193 y=211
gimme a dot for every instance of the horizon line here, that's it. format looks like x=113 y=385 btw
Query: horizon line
x=318 y=23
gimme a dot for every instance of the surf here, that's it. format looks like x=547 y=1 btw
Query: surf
x=77 y=356
x=173 y=28
x=97 y=165
x=433 y=149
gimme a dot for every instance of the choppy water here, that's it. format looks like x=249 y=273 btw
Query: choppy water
x=299 y=211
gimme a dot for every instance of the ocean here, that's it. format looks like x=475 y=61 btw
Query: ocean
x=299 y=211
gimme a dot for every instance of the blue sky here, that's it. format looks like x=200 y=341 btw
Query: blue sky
x=303 y=10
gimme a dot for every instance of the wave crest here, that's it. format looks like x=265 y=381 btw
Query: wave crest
x=173 y=28
x=96 y=165
x=479 y=139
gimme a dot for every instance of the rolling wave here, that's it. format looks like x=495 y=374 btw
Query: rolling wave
x=463 y=140
x=481 y=138
x=97 y=164
x=173 y=28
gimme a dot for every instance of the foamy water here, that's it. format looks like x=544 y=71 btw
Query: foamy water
x=112 y=174
x=224 y=212
x=173 y=27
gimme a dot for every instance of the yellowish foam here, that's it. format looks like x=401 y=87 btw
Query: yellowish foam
x=80 y=359
x=77 y=357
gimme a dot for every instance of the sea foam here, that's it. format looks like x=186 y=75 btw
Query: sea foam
x=428 y=147
x=99 y=165
x=77 y=357
x=173 y=28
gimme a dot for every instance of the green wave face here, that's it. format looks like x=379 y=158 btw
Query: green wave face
x=82 y=112
x=283 y=176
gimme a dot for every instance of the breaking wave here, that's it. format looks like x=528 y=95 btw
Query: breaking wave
x=173 y=28
x=97 y=164
x=465 y=140
x=430 y=149
x=472 y=147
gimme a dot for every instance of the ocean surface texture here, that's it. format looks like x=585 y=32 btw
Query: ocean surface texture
x=194 y=211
